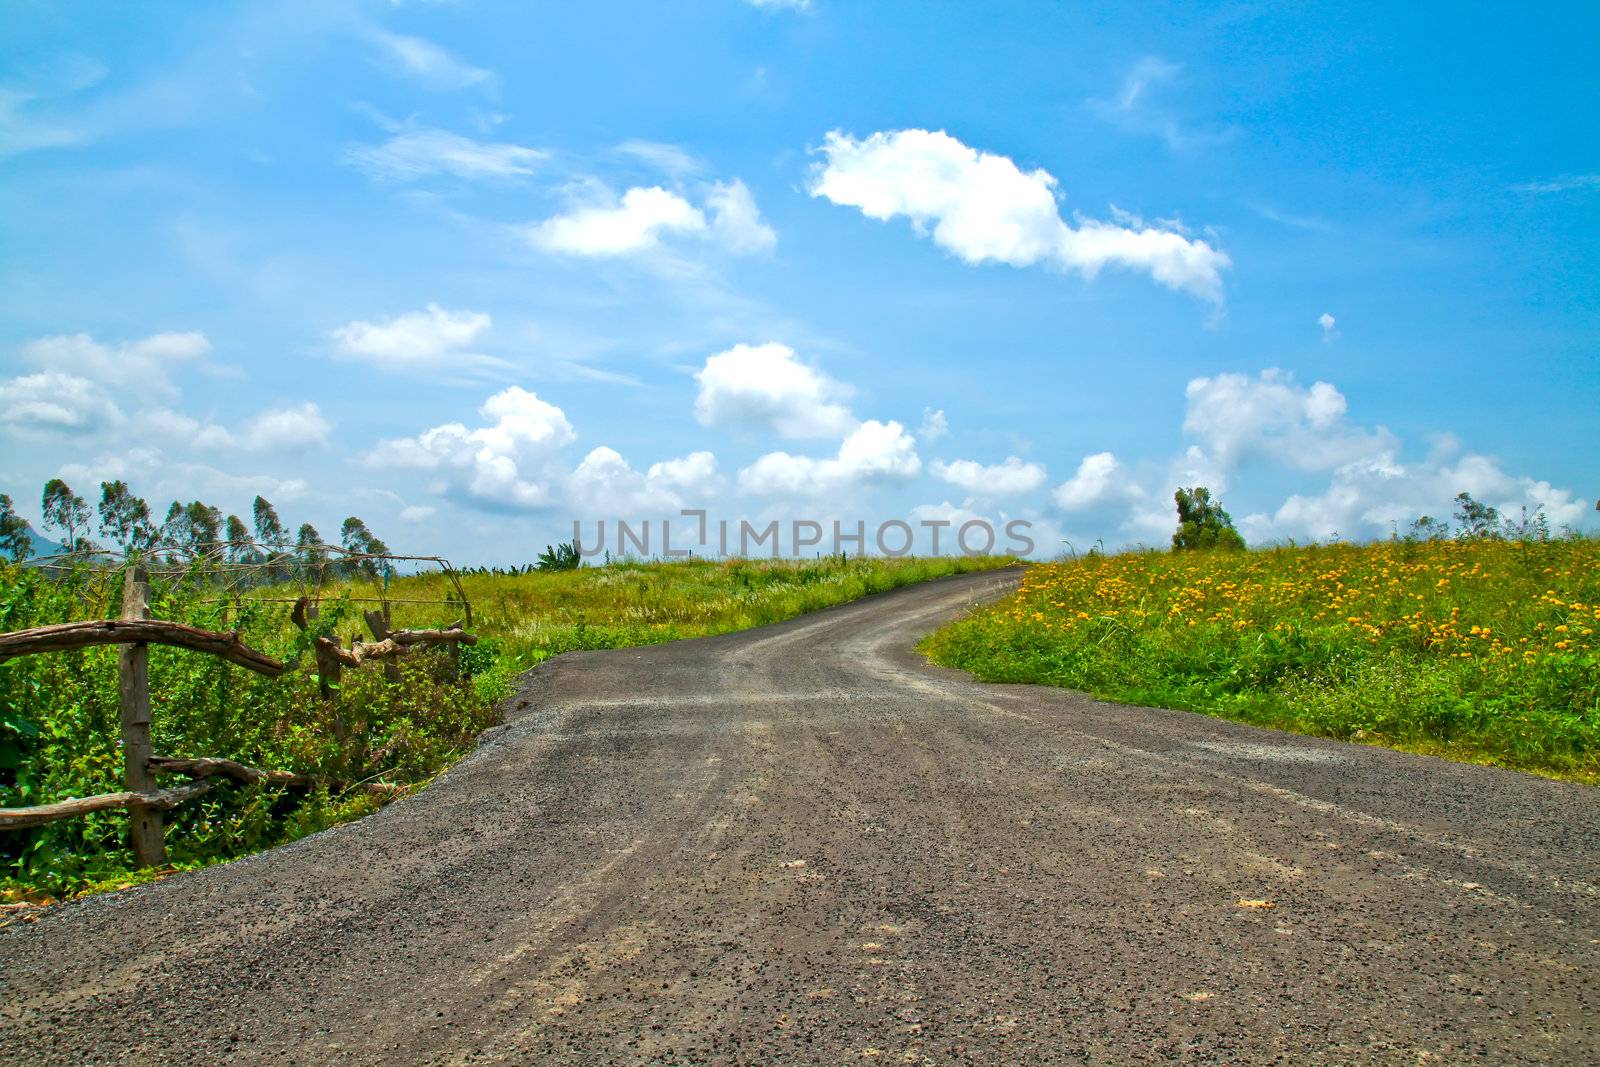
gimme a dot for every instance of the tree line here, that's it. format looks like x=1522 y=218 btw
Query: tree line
x=126 y=524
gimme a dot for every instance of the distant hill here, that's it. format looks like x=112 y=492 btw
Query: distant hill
x=40 y=545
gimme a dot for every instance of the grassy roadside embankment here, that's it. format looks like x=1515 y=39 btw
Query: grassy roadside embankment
x=1484 y=651
x=59 y=734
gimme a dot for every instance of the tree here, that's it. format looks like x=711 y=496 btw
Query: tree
x=66 y=511
x=1202 y=523
x=270 y=530
x=1427 y=528
x=125 y=518
x=358 y=539
x=14 y=538
x=195 y=527
x=1475 y=519
x=562 y=557
x=308 y=546
x=240 y=548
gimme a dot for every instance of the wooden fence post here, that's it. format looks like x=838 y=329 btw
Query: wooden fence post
x=380 y=624
x=145 y=829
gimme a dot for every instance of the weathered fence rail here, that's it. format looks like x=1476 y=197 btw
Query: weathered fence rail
x=133 y=633
x=64 y=637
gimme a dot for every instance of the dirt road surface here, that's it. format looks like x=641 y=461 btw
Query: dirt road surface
x=802 y=844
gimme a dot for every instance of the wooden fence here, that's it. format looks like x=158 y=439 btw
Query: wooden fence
x=133 y=633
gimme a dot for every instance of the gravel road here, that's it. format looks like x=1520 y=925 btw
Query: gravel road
x=802 y=844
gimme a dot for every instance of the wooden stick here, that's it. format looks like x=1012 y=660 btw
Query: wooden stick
x=70 y=635
x=244 y=774
x=160 y=800
x=146 y=829
x=215 y=766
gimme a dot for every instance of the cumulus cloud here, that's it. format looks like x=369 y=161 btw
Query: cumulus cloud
x=874 y=453
x=1374 y=495
x=694 y=475
x=1000 y=479
x=984 y=208
x=52 y=402
x=633 y=224
x=499 y=464
x=144 y=367
x=604 y=484
x=429 y=64
x=299 y=426
x=766 y=387
x=425 y=153
x=934 y=426
x=1098 y=482
x=1329 y=326
x=1237 y=418
x=638 y=221
x=431 y=340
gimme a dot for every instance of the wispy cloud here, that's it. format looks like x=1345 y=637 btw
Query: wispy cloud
x=425 y=152
x=428 y=63
x=1565 y=184
x=1293 y=220
x=1137 y=108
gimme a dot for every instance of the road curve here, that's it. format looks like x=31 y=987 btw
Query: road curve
x=803 y=844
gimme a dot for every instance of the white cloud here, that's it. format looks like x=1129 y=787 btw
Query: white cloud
x=176 y=427
x=1098 y=482
x=52 y=402
x=637 y=222
x=934 y=426
x=433 y=339
x=692 y=476
x=605 y=485
x=497 y=464
x=874 y=453
x=429 y=64
x=1374 y=496
x=983 y=208
x=417 y=513
x=423 y=153
x=301 y=426
x=736 y=221
x=143 y=367
x=633 y=224
x=1001 y=479
x=1329 y=326
x=1237 y=418
x=765 y=387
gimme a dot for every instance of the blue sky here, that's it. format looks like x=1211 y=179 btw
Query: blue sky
x=472 y=270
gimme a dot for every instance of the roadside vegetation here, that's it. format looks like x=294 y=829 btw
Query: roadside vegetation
x=59 y=732
x=1479 y=644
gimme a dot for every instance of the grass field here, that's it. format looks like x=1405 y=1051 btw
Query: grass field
x=1480 y=650
x=59 y=733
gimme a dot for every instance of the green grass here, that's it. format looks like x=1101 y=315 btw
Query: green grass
x=59 y=728
x=1483 y=651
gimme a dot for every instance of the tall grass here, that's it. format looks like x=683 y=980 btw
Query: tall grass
x=1482 y=650
x=59 y=733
